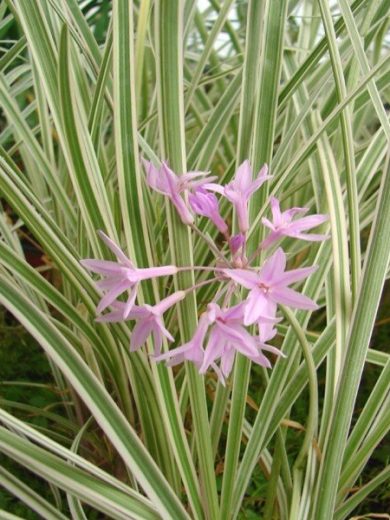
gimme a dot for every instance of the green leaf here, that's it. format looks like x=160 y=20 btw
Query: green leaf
x=108 y=500
x=374 y=272
x=96 y=398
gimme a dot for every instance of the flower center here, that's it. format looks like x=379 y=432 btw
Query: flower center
x=281 y=225
x=265 y=288
x=132 y=276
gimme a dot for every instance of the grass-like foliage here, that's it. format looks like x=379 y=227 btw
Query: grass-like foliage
x=103 y=104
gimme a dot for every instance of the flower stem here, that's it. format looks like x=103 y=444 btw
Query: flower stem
x=200 y=284
x=196 y=268
x=211 y=244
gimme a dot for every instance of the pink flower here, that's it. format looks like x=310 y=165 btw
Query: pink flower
x=260 y=359
x=166 y=182
x=237 y=248
x=206 y=204
x=228 y=336
x=190 y=351
x=236 y=243
x=269 y=286
x=149 y=320
x=283 y=224
x=267 y=330
x=121 y=276
x=225 y=336
x=240 y=190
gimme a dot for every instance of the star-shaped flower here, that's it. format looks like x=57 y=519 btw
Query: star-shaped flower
x=206 y=204
x=269 y=286
x=121 y=276
x=190 y=351
x=227 y=336
x=284 y=225
x=166 y=182
x=240 y=190
x=149 y=321
x=219 y=336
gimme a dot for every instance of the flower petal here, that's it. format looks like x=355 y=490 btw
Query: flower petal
x=115 y=249
x=244 y=277
x=268 y=316
x=181 y=208
x=261 y=360
x=157 y=339
x=213 y=351
x=137 y=312
x=289 y=277
x=112 y=295
x=241 y=207
x=140 y=333
x=130 y=301
x=266 y=332
x=159 y=323
x=236 y=312
x=212 y=186
x=108 y=282
x=196 y=179
x=105 y=267
x=191 y=175
x=243 y=176
x=273 y=350
x=267 y=223
x=189 y=351
x=246 y=345
x=256 y=306
x=227 y=360
x=276 y=213
x=292 y=298
x=153 y=177
x=168 y=302
x=290 y=213
x=258 y=182
x=237 y=336
x=236 y=242
x=273 y=268
x=192 y=351
x=309 y=222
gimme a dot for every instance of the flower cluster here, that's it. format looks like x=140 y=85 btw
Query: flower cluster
x=222 y=329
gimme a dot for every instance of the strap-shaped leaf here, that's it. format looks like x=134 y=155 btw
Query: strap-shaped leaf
x=92 y=491
x=96 y=398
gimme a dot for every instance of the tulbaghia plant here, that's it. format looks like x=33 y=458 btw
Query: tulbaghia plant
x=194 y=242
x=222 y=331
